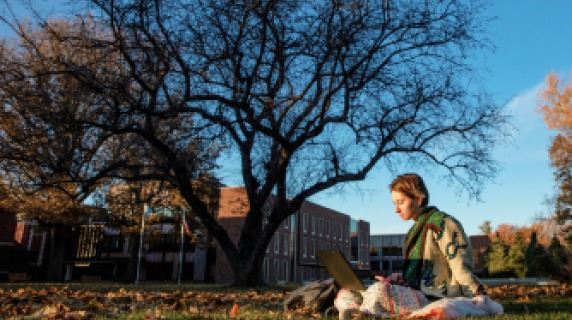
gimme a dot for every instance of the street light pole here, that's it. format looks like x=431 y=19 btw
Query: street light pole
x=181 y=252
x=140 y=253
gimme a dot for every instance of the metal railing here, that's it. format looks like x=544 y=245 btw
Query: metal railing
x=519 y=281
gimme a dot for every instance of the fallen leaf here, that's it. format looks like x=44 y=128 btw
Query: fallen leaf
x=194 y=309
x=234 y=311
x=78 y=315
x=149 y=315
x=95 y=305
x=47 y=311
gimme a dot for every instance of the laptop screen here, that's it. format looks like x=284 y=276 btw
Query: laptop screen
x=340 y=269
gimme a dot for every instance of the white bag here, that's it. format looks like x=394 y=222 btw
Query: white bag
x=452 y=308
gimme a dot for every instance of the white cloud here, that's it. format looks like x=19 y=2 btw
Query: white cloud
x=530 y=138
x=523 y=109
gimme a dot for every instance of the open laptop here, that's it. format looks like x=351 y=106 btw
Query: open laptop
x=340 y=269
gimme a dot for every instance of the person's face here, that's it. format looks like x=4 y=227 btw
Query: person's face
x=406 y=207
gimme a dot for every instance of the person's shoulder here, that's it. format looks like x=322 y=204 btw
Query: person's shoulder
x=452 y=223
x=436 y=221
x=437 y=215
x=451 y=219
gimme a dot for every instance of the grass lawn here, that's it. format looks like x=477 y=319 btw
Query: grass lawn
x=150 y=301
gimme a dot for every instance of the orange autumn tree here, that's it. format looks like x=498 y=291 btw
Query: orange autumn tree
x=556 y=107
x=545 y=230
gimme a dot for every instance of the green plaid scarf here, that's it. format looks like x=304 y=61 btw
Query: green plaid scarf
x=430 y=218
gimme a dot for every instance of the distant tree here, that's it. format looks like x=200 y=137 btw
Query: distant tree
x=56 y=150
x=568 y=236
x=507 y=232
x=559 y=260
x=545 y=229
x=497 y=258
x=516 y=258
x=556 y=107
x=535 y=258
x=485 y=227
x=309 y=96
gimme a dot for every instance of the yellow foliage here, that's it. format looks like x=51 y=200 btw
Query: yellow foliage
x=556 y=104
x=556 y=107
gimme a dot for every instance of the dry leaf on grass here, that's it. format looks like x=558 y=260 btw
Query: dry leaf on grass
x=234 y=311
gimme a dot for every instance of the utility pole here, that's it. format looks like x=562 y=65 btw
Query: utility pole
x=181 y=249
x=141 y=232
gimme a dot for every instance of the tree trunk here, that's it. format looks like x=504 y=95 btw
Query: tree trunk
x=56 y=252
x=247 y=267
x=248 y=272
x=131 y=271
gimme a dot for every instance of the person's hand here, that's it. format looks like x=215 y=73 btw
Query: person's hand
x=481 y=290
x=381 y=278
x=394 y=278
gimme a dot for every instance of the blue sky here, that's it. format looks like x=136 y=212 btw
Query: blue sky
x=532 y=39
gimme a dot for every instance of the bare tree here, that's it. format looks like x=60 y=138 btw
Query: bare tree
x=310 y=94
x=56 y=149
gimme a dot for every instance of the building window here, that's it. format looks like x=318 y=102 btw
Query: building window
x=305 y=223
x=335 y=230
x=313 y=248
x=286 y=223
x=328 y=229
x=313 y=225
x=320 y=227
x=373 y=252
x=286 y=245
x=392 y=251
x=266 y=270
x=276 y=270
x=285 y=270
x=277 y=244
x=304 y=247
x=113 y=243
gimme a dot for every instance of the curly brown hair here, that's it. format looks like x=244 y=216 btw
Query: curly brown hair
x=412 y=185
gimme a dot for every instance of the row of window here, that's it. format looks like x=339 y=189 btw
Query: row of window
x=323 y=228
x=307 y=251
x=310 y=251
x=282 y=272
x=285 y=244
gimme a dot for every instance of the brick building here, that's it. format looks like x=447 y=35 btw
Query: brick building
x=97 y=249
x=291 y=254
x=22 y=245
x=480 y=245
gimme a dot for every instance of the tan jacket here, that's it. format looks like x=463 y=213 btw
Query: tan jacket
x=447 y=269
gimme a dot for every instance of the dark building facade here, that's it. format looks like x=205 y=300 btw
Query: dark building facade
x=99 y=250
x=291 y=254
